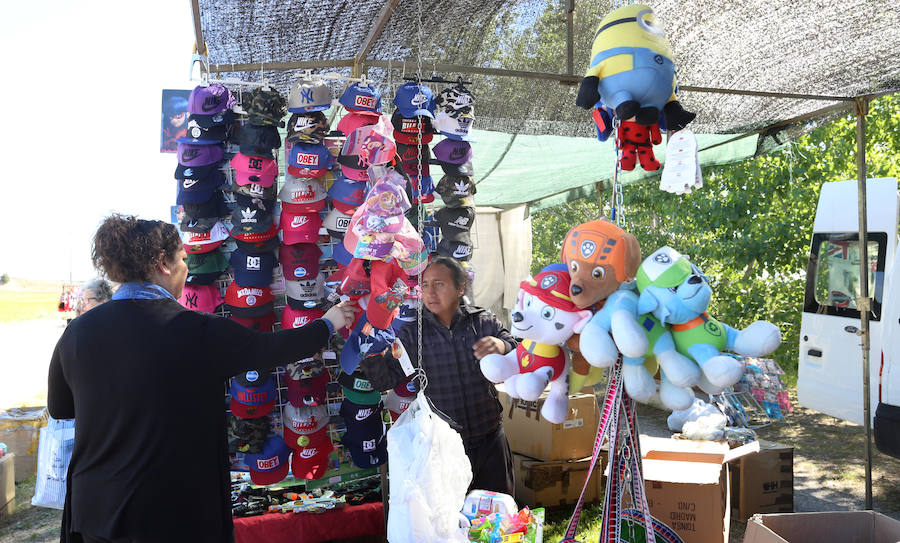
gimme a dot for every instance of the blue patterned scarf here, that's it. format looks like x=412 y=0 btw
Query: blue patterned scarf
x=138 y=290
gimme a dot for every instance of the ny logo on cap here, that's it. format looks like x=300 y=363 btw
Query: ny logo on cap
x=306 y=95
x=191 y=299
x=253 y=263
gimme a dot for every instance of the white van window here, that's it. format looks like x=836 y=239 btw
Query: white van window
x=833 y=281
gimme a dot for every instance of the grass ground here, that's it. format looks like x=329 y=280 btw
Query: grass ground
x=23 y=299
x=28 y=523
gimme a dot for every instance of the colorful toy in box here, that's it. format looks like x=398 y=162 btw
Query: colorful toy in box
x=522 y=526
x=480 y=503
x=632 y=71
x=677 y=294
x=545 y=317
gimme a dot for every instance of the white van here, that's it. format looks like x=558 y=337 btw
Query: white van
x=830 y=369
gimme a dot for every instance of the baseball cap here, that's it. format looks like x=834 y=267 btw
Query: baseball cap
x=353 y=279
x=265 y=107
x=262 y=323
x=311 y=127
x=308 y=392
x=455 y=249
x=225 y=118
x=199 y=135
x=194 y=191
x=210 y=262
x=409 y=128
x=340 y=254
x=259 y=141
x=270 y=465
x=299 y=293
x=309 y=159
x=358 y=385
x=457 y=99
x=310 y=461
x=409 y=154
x=255 y=191
x=194 y=172
x=301 y=420
x=364 y=340
x=456 y=128
x=414 y=99
x=252 y=270
x=248 y=301
x=299 y=261
x=363 y=421
x=202 y=278
x=254 y=169
x=353 y=120
x=300 y=227
x=215 y=207
x=407 y=389
x=388 y=292
x=297 y=318
x=259 y=247
x=423 y=194
x=346 y=195
x=367 y=453
x=455 y=220
x=369 y=144
x=204 y=242
x=251 y=219
x=204 y=298
x=455 y=152
x=247 y=435
x=309 y=95
x=254 y=202
x=405 y=313
x=396 y=404
x=336 y=223
x=361 y=97
x=199 y=155
x=457 y=191
x=210 y=99
x=354 y=174
x=253 y=394
x=302 y=195
x=551 y=286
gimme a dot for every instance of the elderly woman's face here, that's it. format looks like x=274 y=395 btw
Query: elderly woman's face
x=90 y=300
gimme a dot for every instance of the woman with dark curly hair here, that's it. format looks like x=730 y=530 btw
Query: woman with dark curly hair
x=144 y=378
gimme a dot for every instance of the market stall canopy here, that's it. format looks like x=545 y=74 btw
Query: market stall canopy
x=824 y=53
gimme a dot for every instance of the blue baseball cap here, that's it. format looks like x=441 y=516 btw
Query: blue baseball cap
x=310 y=156
x=252 y=270
x=364 y=340
x=413 y=100
x=270 y=465
x=197 y=191
x=361 y=98
x=253 y=394
x=363 y=421
x=368 y=453
x=340 y=254
x=346 y=195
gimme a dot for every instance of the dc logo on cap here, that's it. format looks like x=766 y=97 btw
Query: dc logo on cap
x=587 y=248
x=252 y=375
x=300 y=272
x=368 y=445
x=548 y=282
x=662 y=258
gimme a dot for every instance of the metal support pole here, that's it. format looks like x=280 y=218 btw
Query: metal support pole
x=861 y=108
x=570 y=23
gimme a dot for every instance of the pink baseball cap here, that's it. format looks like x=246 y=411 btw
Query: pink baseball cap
x=300 y=228
x=354 y=174
x=299 y=261
x=253 y=169
x=356 y=119
x=298 y=318
x=203 y=298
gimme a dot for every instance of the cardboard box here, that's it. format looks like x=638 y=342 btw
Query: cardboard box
x=20 y=429
x=557 y=482
x=530 y=435
x=687 y=485
x=833 y=527
x=7 y=484
x=763 y=482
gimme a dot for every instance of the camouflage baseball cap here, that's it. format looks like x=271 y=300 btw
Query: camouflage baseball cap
x=247 y=435
x=309 y=127
x=266 y=107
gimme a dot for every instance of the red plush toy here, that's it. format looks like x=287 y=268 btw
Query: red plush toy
x=636 y=143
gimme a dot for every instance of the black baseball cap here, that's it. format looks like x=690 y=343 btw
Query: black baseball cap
x=255 y=191
x=195 y=172
x=455 y=222
x=195 y=191
x=456 y=250
x=225 y=118
x=259 y=140
x=251 y=220
x=258 y=247
x=252 y=270
x=255 y=202
x=213 y=208
x=200 y=135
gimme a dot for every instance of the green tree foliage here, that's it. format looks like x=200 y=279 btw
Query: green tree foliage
x=750 y=226
x=4 y=279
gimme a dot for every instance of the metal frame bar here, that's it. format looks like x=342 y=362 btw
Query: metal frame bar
x=374 y=33
x=198 y=30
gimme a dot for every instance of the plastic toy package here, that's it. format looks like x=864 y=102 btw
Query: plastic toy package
x=762 y=377
x=526 y=526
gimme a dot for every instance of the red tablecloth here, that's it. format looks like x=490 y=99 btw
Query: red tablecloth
x=347 y=522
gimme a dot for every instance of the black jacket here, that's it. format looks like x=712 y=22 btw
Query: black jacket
x=144 y=381
x=456 y=385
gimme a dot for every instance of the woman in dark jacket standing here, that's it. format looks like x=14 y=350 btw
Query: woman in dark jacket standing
x=144 y=378
x=455 y=336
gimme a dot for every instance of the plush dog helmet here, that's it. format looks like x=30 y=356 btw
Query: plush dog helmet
x=551 y=286
x=665 y=268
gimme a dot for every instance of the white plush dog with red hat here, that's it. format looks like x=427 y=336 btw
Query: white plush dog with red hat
x=545 y=317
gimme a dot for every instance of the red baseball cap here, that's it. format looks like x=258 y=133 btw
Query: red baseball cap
x=388 y=292
x=253 y=169
x=299 y=261
x=300 y=228
x=262 y=323
x=309 y=392
x=298 y=318
x=310 y=461
x=248 y=301
x=258 y=237
x=353 y=120
x=552 y=288
x=270 y=465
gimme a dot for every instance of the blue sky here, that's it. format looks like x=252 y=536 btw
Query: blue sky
x=81 y=108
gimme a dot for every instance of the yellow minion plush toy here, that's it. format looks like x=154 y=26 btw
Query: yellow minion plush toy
x=632 y=71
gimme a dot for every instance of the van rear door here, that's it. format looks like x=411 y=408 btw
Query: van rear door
x=830 y=365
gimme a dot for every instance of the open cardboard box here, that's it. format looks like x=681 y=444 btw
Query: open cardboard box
x=830 y=527
x=688 y=486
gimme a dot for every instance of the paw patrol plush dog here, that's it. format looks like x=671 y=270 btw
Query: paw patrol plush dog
x=677 y=294
x=632 y=70
x=546 y=317
x=602 y=259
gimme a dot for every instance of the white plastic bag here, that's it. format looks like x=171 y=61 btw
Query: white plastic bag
x=54 y=454
x=429 y=476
